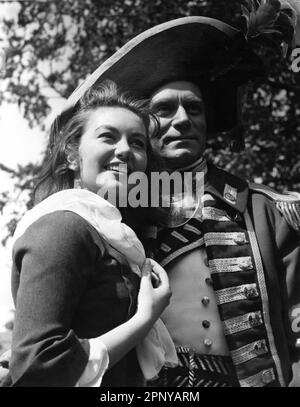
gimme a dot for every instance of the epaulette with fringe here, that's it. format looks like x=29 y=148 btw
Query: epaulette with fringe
x=288 y=204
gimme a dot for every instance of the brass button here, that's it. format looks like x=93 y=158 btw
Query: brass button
x=254 y=320
x=250 y=292
x=267 y=376
x=207 y=342
x=260 y=348
x=208 y=281
x=206 y=324
x=245 y=265
x=205 y=300
x=239 y=240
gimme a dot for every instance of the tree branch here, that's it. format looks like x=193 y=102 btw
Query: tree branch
x=8 y=170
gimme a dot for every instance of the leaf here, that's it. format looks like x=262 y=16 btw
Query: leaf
x=266 y=14
x=285 y=25
x=270 y=31
x=245 y=12
x=291 y=15
x=284 y=49
x=256 y=4
x=249 y=5
x=292 y=9
x=276 y=4
x=263 y=18
x=243 y=25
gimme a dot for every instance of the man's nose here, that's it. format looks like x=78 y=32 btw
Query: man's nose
x=123 y=150
x=181 y=119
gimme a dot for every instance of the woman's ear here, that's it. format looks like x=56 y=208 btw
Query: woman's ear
x=72 y=159
x=73 y=165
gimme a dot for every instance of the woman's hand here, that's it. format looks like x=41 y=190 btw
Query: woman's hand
x=5 y=359
x=5 y=379
x=155 y=293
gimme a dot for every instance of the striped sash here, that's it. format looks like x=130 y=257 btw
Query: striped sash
x=239 y=284
x=197 y=370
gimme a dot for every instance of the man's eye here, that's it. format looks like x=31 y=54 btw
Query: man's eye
x=162 y=110
x=194 y=108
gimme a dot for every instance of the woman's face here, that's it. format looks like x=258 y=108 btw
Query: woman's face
x=112 y=146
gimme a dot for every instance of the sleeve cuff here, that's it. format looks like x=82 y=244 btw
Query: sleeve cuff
x=97 y=364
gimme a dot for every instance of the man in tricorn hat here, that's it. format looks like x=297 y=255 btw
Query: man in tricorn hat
x=234 y=273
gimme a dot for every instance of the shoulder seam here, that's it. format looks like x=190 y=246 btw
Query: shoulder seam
x=291 y=213
x=289 y=196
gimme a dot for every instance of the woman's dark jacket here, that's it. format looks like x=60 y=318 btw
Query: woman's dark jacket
x=67 y=284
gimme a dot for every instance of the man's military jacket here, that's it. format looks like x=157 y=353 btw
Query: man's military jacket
x=252 y=240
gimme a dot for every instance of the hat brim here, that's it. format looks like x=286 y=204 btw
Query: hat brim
x=202 y=50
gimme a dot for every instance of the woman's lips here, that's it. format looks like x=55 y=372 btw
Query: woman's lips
x=118 y=168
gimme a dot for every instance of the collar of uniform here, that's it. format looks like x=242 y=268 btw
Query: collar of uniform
x=220 y=183
x=198 y=166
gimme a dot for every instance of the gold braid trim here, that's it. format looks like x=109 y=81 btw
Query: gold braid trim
x=288 y=204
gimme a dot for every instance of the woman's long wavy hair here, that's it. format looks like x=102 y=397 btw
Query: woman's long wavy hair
x=56 y=174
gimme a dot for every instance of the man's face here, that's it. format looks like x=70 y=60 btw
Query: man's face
x=180 y=110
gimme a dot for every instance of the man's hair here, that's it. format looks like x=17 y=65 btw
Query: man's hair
x=56 y=174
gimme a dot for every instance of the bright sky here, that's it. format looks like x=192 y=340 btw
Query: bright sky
x=19 y=145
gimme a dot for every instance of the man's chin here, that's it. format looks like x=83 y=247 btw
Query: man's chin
x=180 y=157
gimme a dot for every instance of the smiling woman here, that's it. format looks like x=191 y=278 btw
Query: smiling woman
x=81 y=307
x=108 y=128
x=114 y=139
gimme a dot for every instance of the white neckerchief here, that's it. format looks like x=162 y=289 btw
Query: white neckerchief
x=157 y=349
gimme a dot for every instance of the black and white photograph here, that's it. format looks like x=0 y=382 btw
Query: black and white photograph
x=150 y=196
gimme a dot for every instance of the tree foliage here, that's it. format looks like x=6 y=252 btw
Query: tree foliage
x=54 y=45
x=15 y=201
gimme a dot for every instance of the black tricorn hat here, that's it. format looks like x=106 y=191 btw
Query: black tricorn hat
x=206 y=51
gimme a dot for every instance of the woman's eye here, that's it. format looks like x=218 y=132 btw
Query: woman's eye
x=139 y=143
x=106 y=136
